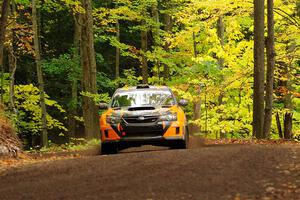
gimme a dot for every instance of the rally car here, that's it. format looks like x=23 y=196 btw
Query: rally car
x=143 y=115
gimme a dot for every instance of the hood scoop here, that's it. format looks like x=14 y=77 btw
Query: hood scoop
x=141 y=108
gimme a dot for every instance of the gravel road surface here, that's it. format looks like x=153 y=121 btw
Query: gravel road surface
x=205 y=172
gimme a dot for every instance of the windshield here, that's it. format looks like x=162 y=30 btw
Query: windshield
x=143 y=98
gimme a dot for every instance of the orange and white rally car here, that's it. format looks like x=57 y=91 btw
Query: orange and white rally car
x=143 y=115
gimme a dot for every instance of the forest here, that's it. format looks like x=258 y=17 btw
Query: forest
x=60 y=58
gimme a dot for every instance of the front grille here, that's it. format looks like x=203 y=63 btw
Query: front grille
x=140 y=128
x=143 y=134
x=140 y=119
x=143 y=131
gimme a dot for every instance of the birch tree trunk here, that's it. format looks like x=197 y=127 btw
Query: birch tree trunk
x=44 y=136
x=258 y=89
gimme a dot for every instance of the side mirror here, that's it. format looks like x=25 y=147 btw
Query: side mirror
x=103 y=106
x=183 y=102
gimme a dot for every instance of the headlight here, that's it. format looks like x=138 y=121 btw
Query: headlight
x=111 y=119
x=168 y=117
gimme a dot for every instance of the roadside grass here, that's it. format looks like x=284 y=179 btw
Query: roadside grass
x=75 y=144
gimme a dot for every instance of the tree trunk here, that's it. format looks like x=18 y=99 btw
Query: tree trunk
x=258 y=89
x=288 y=122
x=117 y=50
x=3 y=22
x=44 y=138
x=206 y=110
x=288 y=117
x=88 y=62
x=279 y=125
x=220 y=31
x=270 y=71
x=74 y=83
x=168 y=29
x=156 y=37
x=197 y=104
x=12 y=62
x=195 y=45
x=197 y=110
x=73 y=110
x=156 y=26
x=13 y=68
x=144 y=41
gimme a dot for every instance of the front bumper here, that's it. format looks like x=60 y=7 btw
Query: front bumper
x=143 y=133
x=124 y=143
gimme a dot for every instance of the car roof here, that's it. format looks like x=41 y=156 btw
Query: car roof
x=143 y=88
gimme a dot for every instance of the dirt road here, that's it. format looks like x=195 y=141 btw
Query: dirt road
x=207 y=172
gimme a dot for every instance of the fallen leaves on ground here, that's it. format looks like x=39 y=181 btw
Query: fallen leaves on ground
x=27 y=159
x=248 y=141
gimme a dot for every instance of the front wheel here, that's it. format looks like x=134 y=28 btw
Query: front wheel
x=182 y=144
x=109 y=148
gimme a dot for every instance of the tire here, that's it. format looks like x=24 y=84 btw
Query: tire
x=109 y=148
x=182 y=144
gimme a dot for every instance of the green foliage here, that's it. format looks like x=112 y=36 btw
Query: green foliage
x=66 y=65
x=75 y=144
x=233 y=82
x=97 y=98
x=129 y=79
x=105 y=83
x=195 y=50
x=192 y=50
x=27 y=102
x=22 y=2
